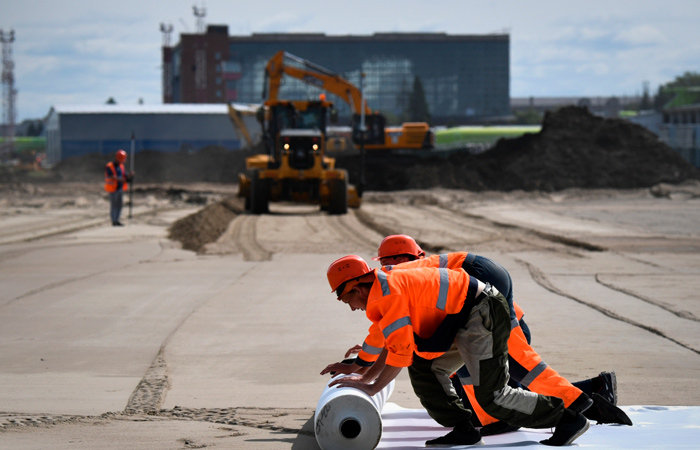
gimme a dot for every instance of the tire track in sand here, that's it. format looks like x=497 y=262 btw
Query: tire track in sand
x=351 y=230
x=539 y=277
x=244 y=238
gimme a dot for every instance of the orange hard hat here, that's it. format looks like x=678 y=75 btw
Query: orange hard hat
x=121 y=156
x=346 y=268
x=398 y=244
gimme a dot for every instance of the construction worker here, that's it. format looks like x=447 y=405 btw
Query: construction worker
x=453 y=319
x=116 y=182
x=525 y=365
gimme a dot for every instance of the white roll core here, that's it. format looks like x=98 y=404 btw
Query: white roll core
x=348 y=419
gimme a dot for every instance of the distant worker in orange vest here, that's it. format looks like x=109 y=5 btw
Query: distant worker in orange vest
x=116 y=182
x=525 y=365
x=454 y=319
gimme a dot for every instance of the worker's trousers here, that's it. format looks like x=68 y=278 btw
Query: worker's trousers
x=482 y=345
x=526 y=367
x=116 y=200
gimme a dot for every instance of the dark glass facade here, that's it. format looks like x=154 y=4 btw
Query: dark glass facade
x=465 y=77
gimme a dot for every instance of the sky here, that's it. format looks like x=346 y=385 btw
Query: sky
x=76 y=52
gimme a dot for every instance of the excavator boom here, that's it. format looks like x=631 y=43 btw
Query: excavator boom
x=314 y=75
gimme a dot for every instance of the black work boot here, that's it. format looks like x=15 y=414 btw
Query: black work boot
x=458 y=436
x=499 y=427
x=603 y=411
x=582 y=403
x=568 y=429
x=605 y=384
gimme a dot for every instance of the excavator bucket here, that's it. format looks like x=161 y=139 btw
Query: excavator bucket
x=238 y=113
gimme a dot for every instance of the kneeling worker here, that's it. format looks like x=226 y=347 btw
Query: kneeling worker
x=436 y=310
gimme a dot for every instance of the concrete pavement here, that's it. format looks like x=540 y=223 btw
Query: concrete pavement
x=115 y=338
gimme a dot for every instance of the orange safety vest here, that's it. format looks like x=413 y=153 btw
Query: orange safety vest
x=111 y=182
x=405 y=305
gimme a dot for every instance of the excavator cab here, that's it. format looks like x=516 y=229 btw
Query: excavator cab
x=374 y=129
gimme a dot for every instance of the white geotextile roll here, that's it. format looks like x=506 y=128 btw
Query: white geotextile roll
x=348 y=419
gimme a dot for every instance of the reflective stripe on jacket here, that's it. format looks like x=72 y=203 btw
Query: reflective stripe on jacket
x=112 y=182
x=371 y=347
x=409 y=307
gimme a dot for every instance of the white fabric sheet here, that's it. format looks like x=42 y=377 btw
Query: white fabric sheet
x=655 y=427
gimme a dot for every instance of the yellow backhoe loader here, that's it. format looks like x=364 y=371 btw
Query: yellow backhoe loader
x=295 y=167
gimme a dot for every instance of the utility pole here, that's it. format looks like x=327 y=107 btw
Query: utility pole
x=363 y=131
x=9 y=92
x=131 y=171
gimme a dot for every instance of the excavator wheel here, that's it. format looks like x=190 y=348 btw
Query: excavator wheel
x=338 y=203
x=259 y=194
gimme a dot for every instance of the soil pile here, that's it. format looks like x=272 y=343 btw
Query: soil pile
x=206 y=225
x=574 y=149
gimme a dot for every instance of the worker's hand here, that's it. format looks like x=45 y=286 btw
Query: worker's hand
x=353 y=382
x=355 y=349
x=338 y=368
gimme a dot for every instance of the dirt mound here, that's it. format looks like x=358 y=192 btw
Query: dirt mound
x=573 y=149
x=204 y=226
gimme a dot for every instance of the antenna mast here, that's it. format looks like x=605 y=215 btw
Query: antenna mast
x=167 y=31
x=167 y=63
x=199 y=13
x=8 y=91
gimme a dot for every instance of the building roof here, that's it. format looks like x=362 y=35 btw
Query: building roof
x=174 y=108
x=388 y=37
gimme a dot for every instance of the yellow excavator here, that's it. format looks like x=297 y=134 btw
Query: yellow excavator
x=295 y=167
x=376 y=136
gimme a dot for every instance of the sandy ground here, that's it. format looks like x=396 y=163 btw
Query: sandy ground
x=117 y=338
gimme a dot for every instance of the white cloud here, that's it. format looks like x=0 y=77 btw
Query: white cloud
x=593 y=68
x=88 y=50
x=592 y=34
x=641 y=35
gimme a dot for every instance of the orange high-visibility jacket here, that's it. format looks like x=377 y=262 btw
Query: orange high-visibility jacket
x=418 y=310
x=111 y=182
x=372 y=346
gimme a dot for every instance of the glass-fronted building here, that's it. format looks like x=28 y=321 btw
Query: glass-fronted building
x=465 y=77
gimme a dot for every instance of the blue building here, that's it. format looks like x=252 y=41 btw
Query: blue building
x=78 y=130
